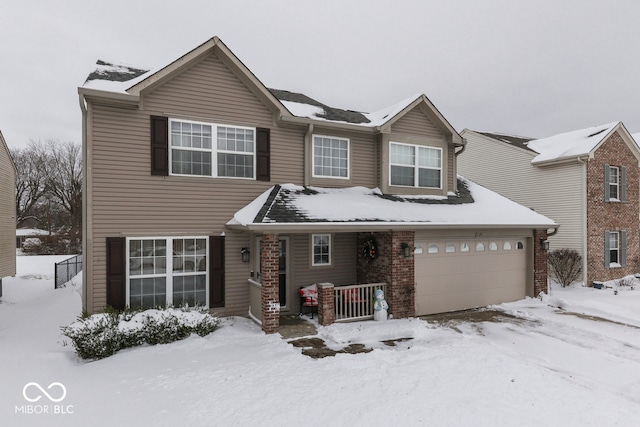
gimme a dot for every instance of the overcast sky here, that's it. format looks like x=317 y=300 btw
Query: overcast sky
x=530 y=68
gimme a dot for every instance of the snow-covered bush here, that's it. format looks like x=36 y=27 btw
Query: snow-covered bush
x=565 y=265
x=101 y=335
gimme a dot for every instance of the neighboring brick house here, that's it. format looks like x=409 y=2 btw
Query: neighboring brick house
x=249 y=193
x=586 y=180
x=8 y=175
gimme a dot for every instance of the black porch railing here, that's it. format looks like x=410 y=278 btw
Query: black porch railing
x=67 y=270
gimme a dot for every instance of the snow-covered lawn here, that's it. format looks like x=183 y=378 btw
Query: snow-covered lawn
x=539 y=366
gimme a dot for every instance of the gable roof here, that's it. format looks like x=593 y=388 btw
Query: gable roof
x=294 y=207
x=126 y=83
x=572 y=144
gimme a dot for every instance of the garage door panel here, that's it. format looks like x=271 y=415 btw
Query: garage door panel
x=463 y=280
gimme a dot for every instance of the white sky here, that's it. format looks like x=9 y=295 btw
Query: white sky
x=532 y=68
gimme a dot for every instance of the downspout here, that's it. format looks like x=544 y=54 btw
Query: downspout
x=85 y=229
x=456 y=154
x=584 y=222
x=308 y=164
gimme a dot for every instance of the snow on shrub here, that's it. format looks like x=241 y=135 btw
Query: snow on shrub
x=101 y=335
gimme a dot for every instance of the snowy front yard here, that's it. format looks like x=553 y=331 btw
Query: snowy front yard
x=539 y=365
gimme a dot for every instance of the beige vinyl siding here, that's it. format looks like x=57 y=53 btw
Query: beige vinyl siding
x=416 y=123
x=7 y=213
x=362 y=158
x=128 y=201
x=554 y=191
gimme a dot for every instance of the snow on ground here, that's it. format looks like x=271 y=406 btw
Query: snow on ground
x=534 y=365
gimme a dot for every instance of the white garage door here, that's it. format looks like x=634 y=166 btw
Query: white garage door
x=461 y=274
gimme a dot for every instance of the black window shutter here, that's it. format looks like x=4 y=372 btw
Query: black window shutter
x=159 y=145
x=116 y=291
x=263 y=154
x=216 y=271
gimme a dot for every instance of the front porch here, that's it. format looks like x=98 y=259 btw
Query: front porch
x=390 y=268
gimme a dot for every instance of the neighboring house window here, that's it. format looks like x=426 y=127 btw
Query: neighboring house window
x=330 y=157
x=415 y=165
x=151 y=284
x=207 y=149
x=615 y=183
x=615 y=249
x=321 y=249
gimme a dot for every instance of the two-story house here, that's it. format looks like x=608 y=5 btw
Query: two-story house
x=203 y=186
x=8 y=175
x=586 y=180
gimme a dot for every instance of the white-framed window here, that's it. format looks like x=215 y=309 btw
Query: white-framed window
x=615 y=249
x=415 y=165
x=433 y=249
x=614 y=182
x=506 y=246
x=330 y=157
x=209 y=149
x=320 y=249
x=151 y=284
x=479 y=247
x=519 y=246
x=493 y=246
x=450 y=248
x=464 y=247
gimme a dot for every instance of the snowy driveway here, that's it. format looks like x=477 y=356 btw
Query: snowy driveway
x=535 y=367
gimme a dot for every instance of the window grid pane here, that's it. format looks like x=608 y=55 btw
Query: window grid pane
x=321 y=249
x=330 y=157
x=406 y=166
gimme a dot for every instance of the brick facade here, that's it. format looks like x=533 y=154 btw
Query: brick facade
x=540 y=265
x=269 y=267
x=390 y=267
x=612 y=216
x=326 y=304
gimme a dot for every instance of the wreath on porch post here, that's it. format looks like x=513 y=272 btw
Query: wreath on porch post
x=370 y=248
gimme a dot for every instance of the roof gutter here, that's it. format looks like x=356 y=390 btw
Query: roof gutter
x=344 y=227
x=110 y=97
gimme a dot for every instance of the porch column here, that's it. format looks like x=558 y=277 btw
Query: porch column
x=326 y=304
x=540 y=266
x=270 y=283
x=402 y=295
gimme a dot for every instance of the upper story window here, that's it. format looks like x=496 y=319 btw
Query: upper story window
x=415 y=165
x=207 y=149
x=330 y=157
x=615 y=183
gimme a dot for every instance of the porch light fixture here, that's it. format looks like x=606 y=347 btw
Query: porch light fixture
x=544 y=244
x=406 y=250
x=246 y=254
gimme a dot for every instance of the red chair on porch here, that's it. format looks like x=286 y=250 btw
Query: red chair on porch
x=309 y=298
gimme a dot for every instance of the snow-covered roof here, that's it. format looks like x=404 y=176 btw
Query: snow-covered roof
x=474 y=205
x=113 y=77
x=31 y=232
x=570 y=144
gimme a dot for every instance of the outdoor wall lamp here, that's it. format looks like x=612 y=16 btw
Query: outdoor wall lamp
x=406 y=250
x=246 y=254
x=544 y=244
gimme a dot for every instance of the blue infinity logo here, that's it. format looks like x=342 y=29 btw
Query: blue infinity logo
x=44 y=392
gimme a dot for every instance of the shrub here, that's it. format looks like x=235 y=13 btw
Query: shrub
x=565 y=265
x=101 y=335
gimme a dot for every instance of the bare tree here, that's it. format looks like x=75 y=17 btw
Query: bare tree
x=64 y=183
x=31 y=179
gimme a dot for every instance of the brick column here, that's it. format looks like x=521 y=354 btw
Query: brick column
x=540 y=266
x=401 y=297
x=270 y=283
x=326 y=304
